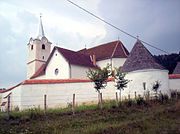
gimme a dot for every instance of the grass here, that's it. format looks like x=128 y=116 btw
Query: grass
x=127 y=118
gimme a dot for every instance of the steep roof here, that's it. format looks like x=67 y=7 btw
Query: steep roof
x=177 y=69
x=113 y=49
x=76 y=58
x=140 y=58
x=71 y=56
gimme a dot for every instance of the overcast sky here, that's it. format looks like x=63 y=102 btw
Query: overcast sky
x=155 y=21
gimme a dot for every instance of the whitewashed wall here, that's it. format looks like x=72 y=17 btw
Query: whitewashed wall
x=174 y=84
x=58 y=95
x=57 y=61
x=103 y=63
x=149 y=76
x=118 y=62
x=78 y=72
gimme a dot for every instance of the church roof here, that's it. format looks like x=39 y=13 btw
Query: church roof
x=177 y=69
x=76 y=58
x=140 y=58
x=113 y=49
x=40 y=30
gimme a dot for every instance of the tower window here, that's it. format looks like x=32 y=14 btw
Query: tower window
x=43 y=57
x=43 y=46
x=31 y=47
x=56 y=71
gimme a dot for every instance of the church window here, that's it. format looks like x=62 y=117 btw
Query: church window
x=56 y=71
x=43 y=46
x=31 y=47
x=43 y=57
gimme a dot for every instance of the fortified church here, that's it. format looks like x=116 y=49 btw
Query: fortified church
x=60 y=73
x=67 y=64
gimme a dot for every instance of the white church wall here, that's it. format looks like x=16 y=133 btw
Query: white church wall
x=103 y=63
x=118 y=62
x=78 y=72
x=149 y=76
x=57 y=62
x=174 y=84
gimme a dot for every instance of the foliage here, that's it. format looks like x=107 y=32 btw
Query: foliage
x=155 y=87
x=2 y=89
x=140 y=101
x=151 y=119
x=168 y=61
x=119 y=76
x=99 y=77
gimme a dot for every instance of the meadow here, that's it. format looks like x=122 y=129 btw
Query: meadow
x=128 y=117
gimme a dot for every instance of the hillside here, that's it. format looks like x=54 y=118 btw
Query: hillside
x=168 y=61
x=129 y=118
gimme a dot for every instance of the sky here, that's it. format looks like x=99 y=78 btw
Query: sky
x=154 y=21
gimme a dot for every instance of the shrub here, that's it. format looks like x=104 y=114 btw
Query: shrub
x=141 y=101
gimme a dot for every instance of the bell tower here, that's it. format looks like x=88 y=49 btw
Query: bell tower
x=38 y=51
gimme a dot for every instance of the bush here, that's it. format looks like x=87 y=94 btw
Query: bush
x=165 y=98
x=128 y=103
x=141 y=101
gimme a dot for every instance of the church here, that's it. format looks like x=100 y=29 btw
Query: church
x=67 y=64
x=60 y=73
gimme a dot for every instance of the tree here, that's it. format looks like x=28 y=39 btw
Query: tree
x=120 y=80
x=99 y=77
x=155 y=88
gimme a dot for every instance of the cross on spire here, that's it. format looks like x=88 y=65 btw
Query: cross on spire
x=41 y=30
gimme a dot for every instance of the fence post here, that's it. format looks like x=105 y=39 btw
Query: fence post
x=129 y=97
x=8 y=108
x=45 y=106
x=116 y=99
x=101 y=101
x=73 y=105
x=160 y=96
x=135 y=95
x=176 y=95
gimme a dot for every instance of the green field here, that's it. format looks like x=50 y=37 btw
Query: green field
x=128 y=118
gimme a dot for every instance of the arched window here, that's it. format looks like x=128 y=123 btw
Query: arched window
x=43 y=46
x=43 y=57
x=31 y=47
x=56 y=71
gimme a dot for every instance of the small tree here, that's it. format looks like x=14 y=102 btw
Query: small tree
x=155 y=87
x=99 y=77
x=120 y=80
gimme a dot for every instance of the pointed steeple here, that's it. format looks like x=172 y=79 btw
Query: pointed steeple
x=140 y=58
x=41 y=30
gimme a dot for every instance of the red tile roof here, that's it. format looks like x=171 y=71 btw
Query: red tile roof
x=177 y=76
x=113 y=49
x=3 y=104
x=76 y=58
x=51 y=81
x=39 y=71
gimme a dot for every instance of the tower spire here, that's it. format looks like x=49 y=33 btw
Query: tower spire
x=41 y=30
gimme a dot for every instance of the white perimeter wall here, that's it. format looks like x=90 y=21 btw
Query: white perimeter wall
x=15 y=98
x=148 y=76
x=60 y=95
x=174 y=84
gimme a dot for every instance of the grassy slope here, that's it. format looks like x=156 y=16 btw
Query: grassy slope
x=151 y=119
